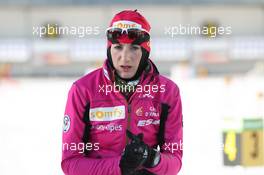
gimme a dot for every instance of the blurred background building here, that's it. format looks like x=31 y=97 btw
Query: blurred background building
x=213 y=49
x=28 y=53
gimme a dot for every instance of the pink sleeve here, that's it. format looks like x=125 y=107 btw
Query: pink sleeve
x=73 y=160
x=170 y=163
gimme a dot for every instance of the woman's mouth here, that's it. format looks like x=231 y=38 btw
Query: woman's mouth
x=126 y=68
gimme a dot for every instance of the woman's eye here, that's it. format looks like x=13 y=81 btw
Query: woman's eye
x=118 y=47
x=135 y=47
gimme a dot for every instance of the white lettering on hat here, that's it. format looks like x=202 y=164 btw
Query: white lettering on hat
x=124 y=24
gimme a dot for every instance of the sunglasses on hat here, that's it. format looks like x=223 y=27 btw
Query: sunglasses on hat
x=134 y=34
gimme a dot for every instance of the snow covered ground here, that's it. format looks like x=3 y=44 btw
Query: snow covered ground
x=31 y=112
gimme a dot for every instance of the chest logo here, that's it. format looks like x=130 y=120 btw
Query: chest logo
x=139 y=111
x=107 y=113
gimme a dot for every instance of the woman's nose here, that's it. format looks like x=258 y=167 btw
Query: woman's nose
x=125 y=56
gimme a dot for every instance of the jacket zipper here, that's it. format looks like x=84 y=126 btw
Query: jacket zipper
x=128 y=120
x=129 y=112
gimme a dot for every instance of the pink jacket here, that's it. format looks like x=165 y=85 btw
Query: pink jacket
x=97 y=116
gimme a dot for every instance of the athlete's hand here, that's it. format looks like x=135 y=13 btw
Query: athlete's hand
x=134 y=155
x=137 y=154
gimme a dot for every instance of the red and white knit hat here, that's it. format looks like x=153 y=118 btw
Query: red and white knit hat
x=130 y=19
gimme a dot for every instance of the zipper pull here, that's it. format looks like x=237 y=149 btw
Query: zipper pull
x=129 y=108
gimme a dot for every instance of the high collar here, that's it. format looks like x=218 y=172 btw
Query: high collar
x=109 y=72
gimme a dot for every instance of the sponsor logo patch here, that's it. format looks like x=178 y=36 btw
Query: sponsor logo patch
x=107 y=113
x=139 y=111
x=66 y=123
x=123 y=24
x=148 y=122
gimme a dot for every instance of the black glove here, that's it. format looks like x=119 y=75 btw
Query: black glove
x=137 y=154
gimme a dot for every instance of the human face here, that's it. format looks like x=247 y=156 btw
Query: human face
x=126 y=58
